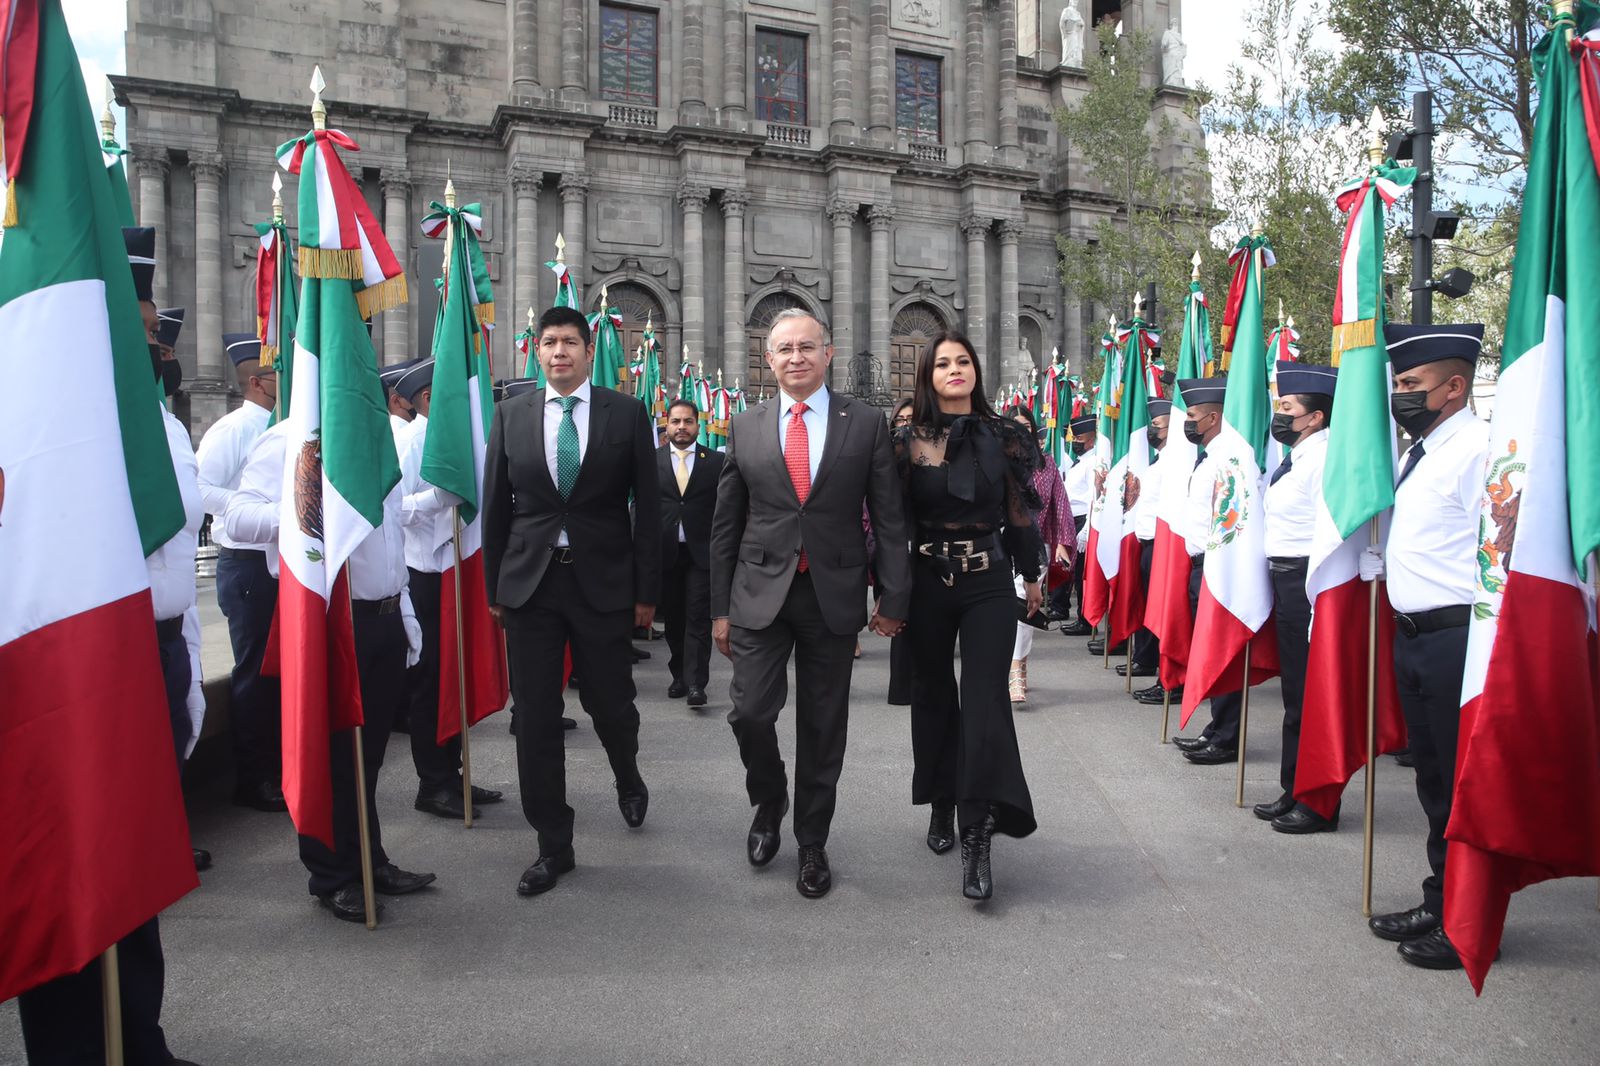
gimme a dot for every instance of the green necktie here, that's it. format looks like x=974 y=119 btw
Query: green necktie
x=567 y=457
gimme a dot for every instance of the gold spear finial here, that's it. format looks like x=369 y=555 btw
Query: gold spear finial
x=1258 y=230
x=603 y=290
x=277 y=198
x=1138 y=305
x=1375 y=147
x=1196 y=261
x=449 y=193
x=319 y=110
x=108 y=121
x=719 y=377
x=1112 y=321
x=649 y=321
x=561 y=249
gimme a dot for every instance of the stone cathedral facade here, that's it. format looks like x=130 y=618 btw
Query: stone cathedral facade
x=892 y=166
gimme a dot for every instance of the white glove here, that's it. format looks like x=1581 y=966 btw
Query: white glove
x=1370 y=564
x=408 y=618
x=195 y=700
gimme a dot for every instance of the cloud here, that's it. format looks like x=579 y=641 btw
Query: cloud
x=98 y=29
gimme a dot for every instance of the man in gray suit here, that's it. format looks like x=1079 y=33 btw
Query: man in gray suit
x=789 y=577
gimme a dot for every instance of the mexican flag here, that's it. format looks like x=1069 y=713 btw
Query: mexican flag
x=1113 y=585
x=1527 y=801
x=526 y=343
x=113 y=154
x=94 y=840
x=646 y=372
x=275 y=306
x=1357 y=491
x=566 y=288
x=1235 y=609
x=452 y=459
x=1166 y=609
x=339 y=466
x=610 y=363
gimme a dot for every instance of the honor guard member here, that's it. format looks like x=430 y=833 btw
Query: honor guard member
x=428 y=518
x=1079 y=479
x=387 y=641
x=246 y=592
x=688 y=474
x=1430 y=556
x=400 y=410
x=1299 y=423
x=1219 y=741
x=1146 y=649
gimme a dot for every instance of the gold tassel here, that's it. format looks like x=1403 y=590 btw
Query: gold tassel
x=269 y=355
x=387 y=294
x=9 y=219
x=330 y=263
x=1348 y=336
x=485 y=313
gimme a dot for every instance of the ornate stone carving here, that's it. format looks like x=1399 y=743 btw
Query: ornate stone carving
x=574 y=185
x=1010 y=230
x=207 y=165
x=525 y=181
x=842 y=212
x=734 y=201
x=1173 y=52
x=152 y=163
x=975 y=228
x=692 y=196
x=1071 y=35
x=922 y=13
x=880 y=216
x=395 y=183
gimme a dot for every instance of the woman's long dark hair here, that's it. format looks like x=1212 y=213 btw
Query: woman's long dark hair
x=925 y=401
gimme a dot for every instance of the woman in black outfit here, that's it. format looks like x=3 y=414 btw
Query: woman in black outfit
x=968 y=490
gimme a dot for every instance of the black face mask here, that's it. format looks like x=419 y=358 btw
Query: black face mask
x=1192 y=433
x=1159 y=438
x=1080 y=447
x=1283 y=430
x=1411 y=411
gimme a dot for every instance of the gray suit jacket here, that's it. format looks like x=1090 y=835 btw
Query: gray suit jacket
x=760 y=525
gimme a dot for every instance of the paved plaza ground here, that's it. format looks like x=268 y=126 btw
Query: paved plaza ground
x=1147 y=921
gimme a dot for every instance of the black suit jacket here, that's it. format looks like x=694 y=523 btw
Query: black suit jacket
x=616 y=554
x=694 y=508
x=760 y=524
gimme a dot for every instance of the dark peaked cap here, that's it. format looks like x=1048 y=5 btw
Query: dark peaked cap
x=1299 y=379
x=415 y=380
x=242 y=348
x=1412 y=346
x=169 y=323
x=1203 y=390
x=141 y=242
x=391 y=374
x=1086 y=424
x=1158 y=407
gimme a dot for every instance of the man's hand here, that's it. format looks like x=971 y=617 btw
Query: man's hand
x=885 y=626
x=643 y=615
x=722 y=636
x=498 y=613
x=1370 y=564
x=1034 y=596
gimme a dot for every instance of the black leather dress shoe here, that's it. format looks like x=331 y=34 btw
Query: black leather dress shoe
x=1404 y=925
x=1276 y=809
x=569 y=723
x=202 y=859
x=443 y=802
x=348 y=904
x=766 y=831
x=677 y=690
x=486 y=795
x=393 y=881
x=640 y=655
x=633 y=802
x=1404 y=757
x=815 y=878
x=1431 y=951
x=266 y=796
x=942 y=827
x=1304 y=820
x=1076 y=628
x=697 y=696
x=1097 y=648
x=543 y=875
x=1189 y=743
x=1212 y=755
x=1139 y=670
x=1155 y=696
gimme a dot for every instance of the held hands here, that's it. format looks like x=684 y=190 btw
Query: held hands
x=885 y=626
x=721 y=635
x=1370 y=564
x=1034 y=596
x=498 y=613
x=1062 y=555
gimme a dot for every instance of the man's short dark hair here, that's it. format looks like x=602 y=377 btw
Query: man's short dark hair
x=566 y=316
x=681 y=402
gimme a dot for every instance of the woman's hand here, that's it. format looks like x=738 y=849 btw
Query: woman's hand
x=1034 y=596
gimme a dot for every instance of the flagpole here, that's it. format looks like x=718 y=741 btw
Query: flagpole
x=1128 y=681
x=461 y=679
x=111 y=1005
x=1244 y=727
x=362 y=826
x=1166 y=709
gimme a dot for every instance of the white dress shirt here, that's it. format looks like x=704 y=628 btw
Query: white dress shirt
x=171 y=566
x=221 y=458
x=1144 y=511
x=815 y=419
x=1079 y=479
x=425 y=511
x=1199 y=512
x=1432 y=549
x=399 y=427
x=552 y=428
x=1291 y=501
x=685 y=456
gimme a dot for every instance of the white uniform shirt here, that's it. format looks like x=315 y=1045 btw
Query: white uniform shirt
x=1432 y=550
x=377 y=566
x=399 y=427
x=1291 y=502
x=816 y=421
x=1144 y=512
x=686 y=455
x=221 y=458
x=171 y=566
x=1079 y=478
x=552 y=429
x=424 y=511
x=1199 y=510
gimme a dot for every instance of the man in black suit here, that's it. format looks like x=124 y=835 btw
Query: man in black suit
x=789 y=577
x=566 y=560
x=688 y=476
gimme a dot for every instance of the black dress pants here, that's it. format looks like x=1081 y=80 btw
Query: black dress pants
x=1428 y=669
x=686 y=610
x=963 y=739
x=537 y=634
x=1293 y=612
x=248 y=595
x=1146 y=648
x=823 y=663
x=438 y=765
x=381 y=663
x=1223 y=729
x=62 y=1023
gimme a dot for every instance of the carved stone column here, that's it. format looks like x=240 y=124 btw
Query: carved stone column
x=574 y=50
x=525 y=183
x=151 y=170
x=977 y=233
x=1008 y=74
x=1010 y=234
x=880 y=72
x=209 y=397
x=396 y=185
x=880 y=217
x=734 y=347
x=692 y=201
x=974 y=120
x=842 y=213
x=574 y=199
x=524 y=51
x=693 y=101
x=733 y=91
x=843 y=118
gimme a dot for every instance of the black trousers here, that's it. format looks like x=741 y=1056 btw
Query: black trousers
x=438 y=765
x=1293 y=611
x=1428 y=669
x=1146 y=648
x=823 y=663
x=537 y=634
x=61 y=1019
x=381 y=664
x=686 y=609
x=963 y=739
x=248 y=595
x=901 y=669
x=1223 y=729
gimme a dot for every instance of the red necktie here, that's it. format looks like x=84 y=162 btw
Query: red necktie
x=797 y=457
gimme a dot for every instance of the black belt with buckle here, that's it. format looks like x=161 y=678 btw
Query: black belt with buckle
x=972 y=556
x=1287 y=564
x=169 y=629
x=561 y=555
x=384 y=606
x=241 y=553
x=1433 y=621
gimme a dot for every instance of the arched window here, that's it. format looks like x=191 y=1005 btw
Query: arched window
x=1032 y=338
x=638 y=305
x=914 y=327
x=759 y=378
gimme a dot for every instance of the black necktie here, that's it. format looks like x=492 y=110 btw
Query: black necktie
x=1283 y=468
x=1413 y=457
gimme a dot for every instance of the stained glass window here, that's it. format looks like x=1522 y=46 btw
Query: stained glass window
x=629 y=50
x=917 y=93
x=780 y=77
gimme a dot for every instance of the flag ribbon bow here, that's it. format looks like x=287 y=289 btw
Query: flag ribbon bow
x=469 y=228
x=1358 y=301
x=1241 y=257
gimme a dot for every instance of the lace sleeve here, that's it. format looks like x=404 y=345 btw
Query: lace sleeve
x=1020 y=536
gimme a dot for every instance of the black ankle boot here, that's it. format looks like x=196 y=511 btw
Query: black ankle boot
x=942 y=827
x=977 y=881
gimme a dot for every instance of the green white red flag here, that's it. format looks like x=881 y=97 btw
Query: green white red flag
x=1113 y=586
x=276 y=309
x=1527 y=800
x=610 y=368
x=95 y=840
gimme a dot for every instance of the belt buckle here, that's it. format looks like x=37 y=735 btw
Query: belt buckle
x=975 y=564
x=925 y=549
x=966 y=547
x=1407 y=626
x=564 y=555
